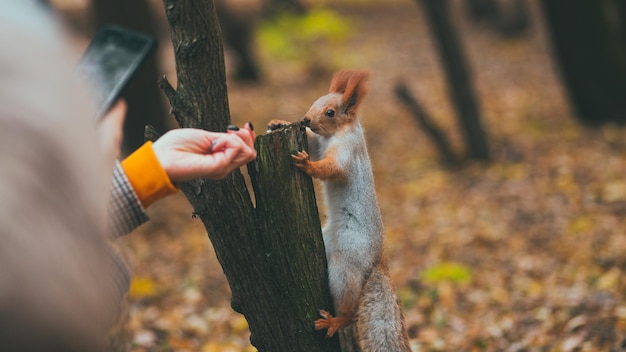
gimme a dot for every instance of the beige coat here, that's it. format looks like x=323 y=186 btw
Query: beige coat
x=58 y=288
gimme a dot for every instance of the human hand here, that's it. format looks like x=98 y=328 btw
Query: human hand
x=189 y=153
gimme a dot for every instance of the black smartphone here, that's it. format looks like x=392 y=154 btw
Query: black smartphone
x=111 y=59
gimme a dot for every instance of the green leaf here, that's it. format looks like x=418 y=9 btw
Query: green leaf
x=447 y=271
x=298 y=37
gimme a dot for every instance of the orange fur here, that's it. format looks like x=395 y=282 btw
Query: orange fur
x=332 y=324
x=324 y=169
x=349 y=83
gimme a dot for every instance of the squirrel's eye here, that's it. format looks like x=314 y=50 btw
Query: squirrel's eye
x=330 y=113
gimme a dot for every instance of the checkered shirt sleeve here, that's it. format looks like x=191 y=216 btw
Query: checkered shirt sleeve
x=125 y=211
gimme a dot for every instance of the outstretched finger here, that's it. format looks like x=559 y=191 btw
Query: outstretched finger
x=252 y=135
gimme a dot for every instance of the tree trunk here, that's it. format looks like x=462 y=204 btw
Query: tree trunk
x=272 y=255
x=275 y=7
x=620 y=6
x=145 y=101
x=427 y=124
x=592 y=60
x=238 y=35
x=482 y=10
x=458 y=77
x=514 y=19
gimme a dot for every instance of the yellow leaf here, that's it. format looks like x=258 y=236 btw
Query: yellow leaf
x=608 y=280
x=142 y=287
x=211 y=347
x=220 y=347
x=534 y=289
x=239 y=324
x=447 y=271
x=614 y=191
x=582 y=224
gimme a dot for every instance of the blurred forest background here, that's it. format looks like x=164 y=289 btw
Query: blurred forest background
x=496 y=134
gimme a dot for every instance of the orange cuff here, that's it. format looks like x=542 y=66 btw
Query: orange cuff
x=146 y=175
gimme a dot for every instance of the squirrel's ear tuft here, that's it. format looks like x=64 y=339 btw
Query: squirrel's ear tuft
x=353 y=85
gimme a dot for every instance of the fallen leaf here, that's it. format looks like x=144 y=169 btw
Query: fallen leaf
x=142 y=287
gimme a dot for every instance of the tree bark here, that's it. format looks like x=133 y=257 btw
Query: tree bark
x=271 y=254
x=458 y=77
x=290 y=246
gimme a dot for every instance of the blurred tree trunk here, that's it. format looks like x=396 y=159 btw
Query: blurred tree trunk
x=514 y=18
x=620 y=8
x=591 y=58
x=427 y=124
x=274 y=7
x=238 y=32
x=458 y=77
x=271 y=254
x=482 y=10
x=510 y=18
x=620 y=5
x=145 y=100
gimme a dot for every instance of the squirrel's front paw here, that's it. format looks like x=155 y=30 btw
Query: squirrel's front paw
x=276 y=124
x=302 y=160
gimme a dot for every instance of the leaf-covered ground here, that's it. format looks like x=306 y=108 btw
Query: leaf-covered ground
x=525 y=253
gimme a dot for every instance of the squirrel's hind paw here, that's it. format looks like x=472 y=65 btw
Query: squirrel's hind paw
x=332 y=324
x=326 y=322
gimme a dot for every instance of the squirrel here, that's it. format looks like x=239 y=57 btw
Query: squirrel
x=359 y=281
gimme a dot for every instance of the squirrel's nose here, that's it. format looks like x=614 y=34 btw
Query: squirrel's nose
x=307 y=121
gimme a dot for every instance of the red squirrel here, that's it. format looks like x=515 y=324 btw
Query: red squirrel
x=359 y=282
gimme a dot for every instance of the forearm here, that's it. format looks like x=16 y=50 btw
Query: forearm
x=125 y=210
x=138 y=181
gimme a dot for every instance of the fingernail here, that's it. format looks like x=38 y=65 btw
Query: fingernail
x=233 y=128
x=251 y=127
x=212 y=146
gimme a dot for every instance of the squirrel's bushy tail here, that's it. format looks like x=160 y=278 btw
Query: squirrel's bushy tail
x=380 y=321
x=349 y=338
